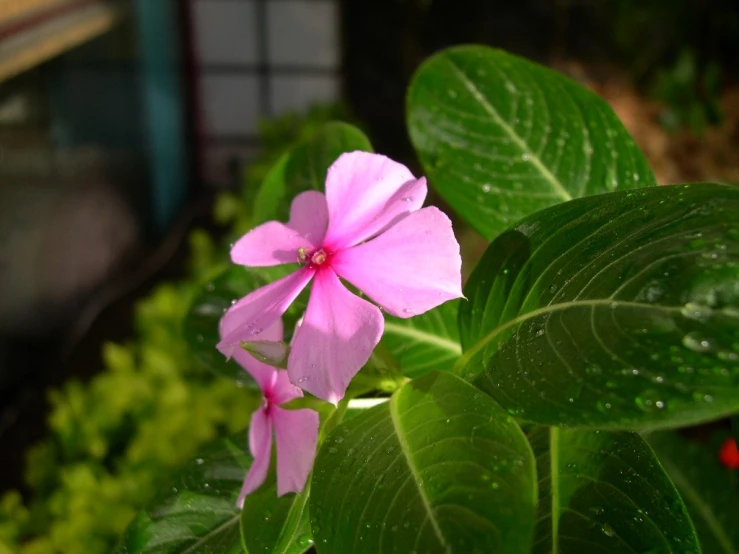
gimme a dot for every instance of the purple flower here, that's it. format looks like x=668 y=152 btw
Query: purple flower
x=368 y=229
x=296 y=431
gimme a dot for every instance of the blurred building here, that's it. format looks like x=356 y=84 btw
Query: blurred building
x=114 y=114
x=256 y=59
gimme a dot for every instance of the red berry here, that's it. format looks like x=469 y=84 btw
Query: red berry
x=729 y=454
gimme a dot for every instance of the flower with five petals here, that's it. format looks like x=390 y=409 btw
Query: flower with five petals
x=295 y=431
x=368 y=229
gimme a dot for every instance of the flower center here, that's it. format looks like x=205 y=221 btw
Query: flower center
x=318 y=257
x=314 y=259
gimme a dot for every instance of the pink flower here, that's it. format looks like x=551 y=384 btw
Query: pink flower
x=368 y=229
x=296 y=431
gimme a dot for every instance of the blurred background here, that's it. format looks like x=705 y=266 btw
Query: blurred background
x=133 y=133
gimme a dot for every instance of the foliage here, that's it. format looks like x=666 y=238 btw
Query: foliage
x=606 y=489
x=114 y=442
x=275 y=137
x=690 y=94
x=501 y=137
x=604 y=307
x=708 y=488
x=625 y=319
x=678 y=50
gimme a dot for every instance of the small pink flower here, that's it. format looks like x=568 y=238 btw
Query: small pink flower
x=368 y=229
x=296 y=431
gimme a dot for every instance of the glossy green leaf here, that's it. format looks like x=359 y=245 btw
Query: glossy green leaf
x=619 y=310
x=304 y=168
x=425 y=342
x=276 y=525
x=605 y=492
x=274 y=353
x=438 y=468
x=200 y=514
x=710 y=491
x=501 y=137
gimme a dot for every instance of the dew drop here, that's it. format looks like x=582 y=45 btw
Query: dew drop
x=604 y=406
x=650 y=400
x=697 y=343
x=608 y=530
x=702 y=397
x=728 y=356
x=696 y=312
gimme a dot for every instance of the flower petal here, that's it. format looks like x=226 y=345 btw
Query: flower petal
x=412 y=267
x=275 y=243
x=263 y=374
x=258 y=310
x=336 y=339
x=283 y=390
x=296 y=434
x=272 y=243
x=366 y=193
x=260 y=446
x=309 y=216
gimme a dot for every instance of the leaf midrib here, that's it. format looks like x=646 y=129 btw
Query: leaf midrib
x=554 y=485
x=532 y=156
x=286 y=542
x=394 y=416
x=705 y=510
x=424 y=336
x=212 y=532
x=480 y=344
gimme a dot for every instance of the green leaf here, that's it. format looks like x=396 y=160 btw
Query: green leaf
x=274 y=353
x=271 y=193
x=425 y=342
x=501 y=137
x=200 y=514
x=272 y=524
x=304 y=168
x=709 y=490
x=618 y=311
x=438 y=468
x=605 y=492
